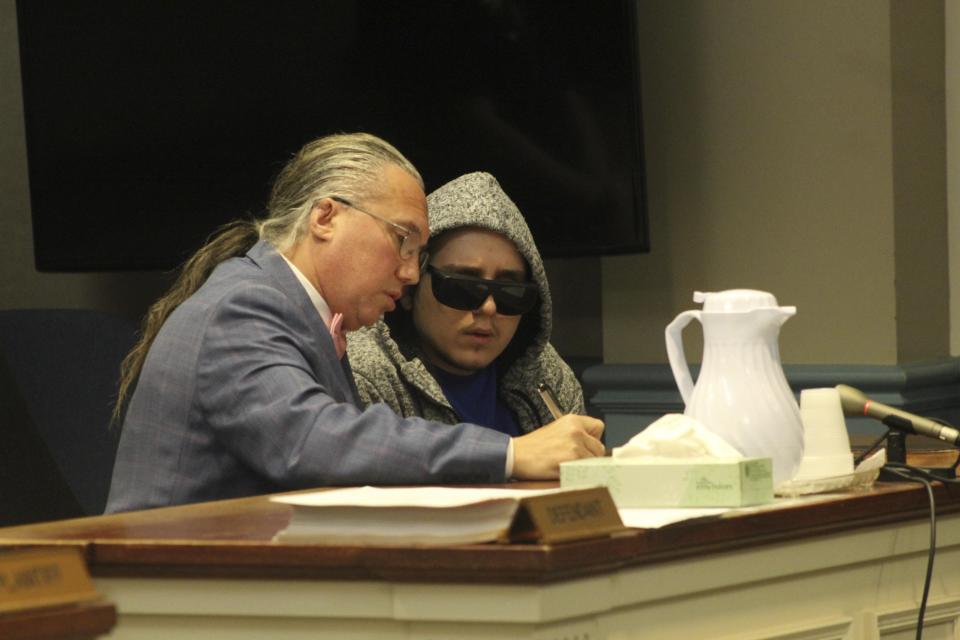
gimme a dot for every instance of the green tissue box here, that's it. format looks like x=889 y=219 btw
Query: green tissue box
x=681 y=482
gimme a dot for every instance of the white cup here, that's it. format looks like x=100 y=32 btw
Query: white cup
x=826 y=443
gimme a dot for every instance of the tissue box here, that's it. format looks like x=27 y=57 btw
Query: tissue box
x=679 y=482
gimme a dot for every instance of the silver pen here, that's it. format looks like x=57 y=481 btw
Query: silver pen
x=550 y=400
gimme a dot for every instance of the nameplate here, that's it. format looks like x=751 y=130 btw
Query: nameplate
x=43 y=577
x=566 y=516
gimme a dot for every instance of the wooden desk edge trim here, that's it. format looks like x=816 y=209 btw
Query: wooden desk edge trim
x=532 y=564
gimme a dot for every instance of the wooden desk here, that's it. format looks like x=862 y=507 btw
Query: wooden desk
x=847 y=567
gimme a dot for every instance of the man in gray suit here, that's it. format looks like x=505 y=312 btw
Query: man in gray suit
x=239 y=385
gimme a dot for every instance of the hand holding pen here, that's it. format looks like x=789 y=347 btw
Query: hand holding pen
x=550 y=400
x=538 y=454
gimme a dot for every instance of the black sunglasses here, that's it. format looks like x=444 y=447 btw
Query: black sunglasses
x=467 y=293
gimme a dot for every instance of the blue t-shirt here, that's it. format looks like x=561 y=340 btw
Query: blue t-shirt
x=474 y=398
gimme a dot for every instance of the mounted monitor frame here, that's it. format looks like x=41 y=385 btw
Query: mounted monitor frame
x=149 y=124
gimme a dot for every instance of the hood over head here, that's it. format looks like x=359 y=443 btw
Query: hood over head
x=477 y=200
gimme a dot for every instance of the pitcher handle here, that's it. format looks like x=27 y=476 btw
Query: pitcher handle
x=678 y=360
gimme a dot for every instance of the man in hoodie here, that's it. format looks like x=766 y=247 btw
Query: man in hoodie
x=470 y=343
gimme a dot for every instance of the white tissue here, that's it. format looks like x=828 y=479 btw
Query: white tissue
x=676 y=436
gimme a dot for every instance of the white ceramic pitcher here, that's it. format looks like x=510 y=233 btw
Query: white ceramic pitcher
x=741 y=393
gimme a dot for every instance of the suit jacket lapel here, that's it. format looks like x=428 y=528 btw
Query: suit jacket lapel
x=272 y=263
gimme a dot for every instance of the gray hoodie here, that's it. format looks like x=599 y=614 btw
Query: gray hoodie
x=387 y=365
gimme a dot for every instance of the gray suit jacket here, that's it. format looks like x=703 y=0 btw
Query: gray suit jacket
x=242 y=393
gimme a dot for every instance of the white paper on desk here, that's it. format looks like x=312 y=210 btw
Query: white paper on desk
x=439 y=497
x=656 y=518
x=445 y=497
x=402 y=516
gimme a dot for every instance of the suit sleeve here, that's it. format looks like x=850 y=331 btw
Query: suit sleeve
x=268 y=388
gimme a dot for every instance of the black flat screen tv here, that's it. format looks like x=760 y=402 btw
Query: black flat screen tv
x=151 y=123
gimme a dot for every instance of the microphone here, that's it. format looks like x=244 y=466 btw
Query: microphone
x=854 y=403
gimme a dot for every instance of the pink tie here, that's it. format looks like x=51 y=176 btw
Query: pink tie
x=336 y=332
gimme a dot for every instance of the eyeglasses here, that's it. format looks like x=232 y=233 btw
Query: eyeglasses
x=409 y=238
x=468 y=293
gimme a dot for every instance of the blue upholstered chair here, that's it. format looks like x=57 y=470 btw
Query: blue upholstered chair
x=58 y=377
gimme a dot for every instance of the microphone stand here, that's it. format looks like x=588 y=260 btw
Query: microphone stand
x=897 y=450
